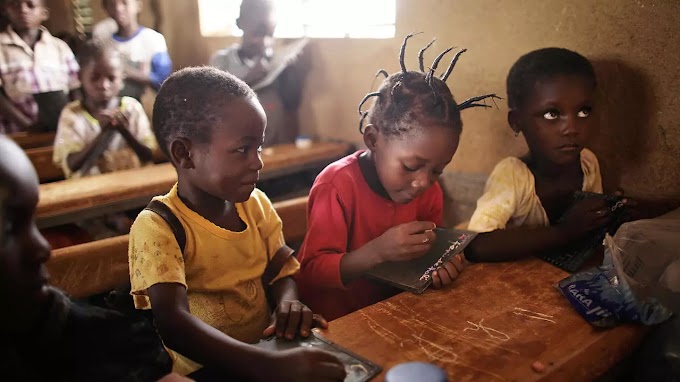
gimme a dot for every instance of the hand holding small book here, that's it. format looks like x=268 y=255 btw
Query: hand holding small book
x=404 y=242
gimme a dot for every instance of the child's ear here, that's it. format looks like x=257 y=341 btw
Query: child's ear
x=371 y=136
x=238 y=23
x=513 y=121
x=180 y=153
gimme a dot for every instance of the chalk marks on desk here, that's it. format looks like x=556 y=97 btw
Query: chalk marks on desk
x=491 y=332
x=535 y=315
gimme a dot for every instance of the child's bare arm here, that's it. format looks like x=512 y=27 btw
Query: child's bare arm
x=10 y=111
x=512 y=244
x=188 y=335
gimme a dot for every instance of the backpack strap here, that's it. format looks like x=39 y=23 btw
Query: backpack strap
x=275 y=264
x=166 y=213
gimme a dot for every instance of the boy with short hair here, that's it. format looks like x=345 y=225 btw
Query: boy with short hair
x=45 y=335
x=208 y=285
x=147 y=62
x=251 y=61
x=32 y=61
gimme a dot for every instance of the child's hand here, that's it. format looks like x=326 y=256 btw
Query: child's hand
x=586 y=216
x=291 y=317
x=116 y=119
x=304 y=365
x=405 y=241
x=448 y=272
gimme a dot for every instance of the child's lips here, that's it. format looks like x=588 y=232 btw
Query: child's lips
x=569 y=147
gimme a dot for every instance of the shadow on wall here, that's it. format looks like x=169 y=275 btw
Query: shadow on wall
x=626 y=133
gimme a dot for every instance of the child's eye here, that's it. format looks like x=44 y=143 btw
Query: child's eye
x=409 y=169
x=242 y=150
x=585 y=112
x=551 y=114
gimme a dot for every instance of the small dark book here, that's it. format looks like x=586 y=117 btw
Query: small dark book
x=416 y=275
x=358 y=369
x=571 y=258
x=50 y=105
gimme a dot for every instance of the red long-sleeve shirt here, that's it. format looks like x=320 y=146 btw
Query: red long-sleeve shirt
x=344 y=214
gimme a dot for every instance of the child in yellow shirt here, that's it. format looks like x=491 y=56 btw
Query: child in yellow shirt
x=207 y=293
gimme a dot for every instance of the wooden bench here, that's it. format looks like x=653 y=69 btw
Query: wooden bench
x=41 y=157
x=77 y=199
x=100 y=266
x=32 y=140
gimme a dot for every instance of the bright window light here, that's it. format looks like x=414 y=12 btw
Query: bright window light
x=307 y=18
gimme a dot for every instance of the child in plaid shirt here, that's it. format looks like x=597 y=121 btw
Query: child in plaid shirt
x=32 y=61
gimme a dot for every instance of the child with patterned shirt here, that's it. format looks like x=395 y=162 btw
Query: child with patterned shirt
x=145 y=53
x=206 y=286
x=32 y=61
x=103 y=132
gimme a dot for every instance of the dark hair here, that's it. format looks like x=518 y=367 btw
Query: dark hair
x=92 y=50
x=542 y=64
x=187 y=102
x=255 y=8
x=409 y=96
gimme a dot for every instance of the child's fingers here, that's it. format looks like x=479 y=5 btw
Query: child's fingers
x=451 y=272
x=415 y=227
x=282 y=318
x=436 y=280
x=294 y=318
x=459 y=262
x=271 y=329
x=307 y=322
x=319 y=321
x=421 y=238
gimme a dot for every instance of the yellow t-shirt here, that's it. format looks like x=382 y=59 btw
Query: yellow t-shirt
x=221 y=269
x=510 y=198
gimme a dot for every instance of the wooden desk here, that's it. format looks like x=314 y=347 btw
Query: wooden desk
x=32 y=140
x=491 y=326
x=75 y=199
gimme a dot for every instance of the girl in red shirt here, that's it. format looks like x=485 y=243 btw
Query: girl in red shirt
x=381 y=204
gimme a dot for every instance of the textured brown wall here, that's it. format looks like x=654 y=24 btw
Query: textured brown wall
x=635 y=46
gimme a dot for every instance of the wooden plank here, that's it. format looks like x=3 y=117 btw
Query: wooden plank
x=86 y=269
x=491 y=326
x=32 y=140
x=41 y=157
x=74 y=199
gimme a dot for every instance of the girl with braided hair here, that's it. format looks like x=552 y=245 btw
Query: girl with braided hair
x=382 y=204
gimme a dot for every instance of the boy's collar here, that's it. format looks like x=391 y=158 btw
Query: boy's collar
x=12 y=37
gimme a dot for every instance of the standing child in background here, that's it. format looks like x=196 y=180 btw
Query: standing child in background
x=251 y=61
x=551 y=98
x=32 y=61
x=383 y=203
x=208 y=294
x=103 y=132
x=145 y=54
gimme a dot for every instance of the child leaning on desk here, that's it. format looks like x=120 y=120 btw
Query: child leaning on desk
x=551 y=96
x=382 y=204
x=209 y=299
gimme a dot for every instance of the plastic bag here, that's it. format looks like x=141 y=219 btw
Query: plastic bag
x=639 y=280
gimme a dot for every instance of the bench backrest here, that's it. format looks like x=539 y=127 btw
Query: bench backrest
x=41 y=157
x=100 y=266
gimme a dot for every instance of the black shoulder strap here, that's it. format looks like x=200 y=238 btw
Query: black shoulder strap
x=166 y=213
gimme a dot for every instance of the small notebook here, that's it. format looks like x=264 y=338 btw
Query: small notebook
x=358 y=369
x=416 y=275
x=50 y=105
x=572 y=257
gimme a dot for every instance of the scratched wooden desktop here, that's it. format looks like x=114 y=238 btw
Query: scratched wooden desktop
x=75 y=199
x=494 y=322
